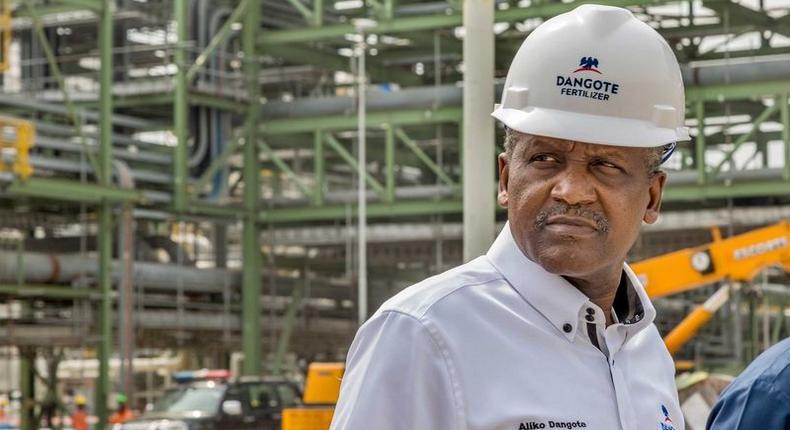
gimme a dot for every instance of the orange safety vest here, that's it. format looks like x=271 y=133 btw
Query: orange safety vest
x=79 y=420
x=121 y=416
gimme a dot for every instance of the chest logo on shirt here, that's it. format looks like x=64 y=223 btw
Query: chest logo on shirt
x=550 y=424
x=666 y=424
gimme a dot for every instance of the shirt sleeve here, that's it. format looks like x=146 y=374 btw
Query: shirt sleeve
x=755 y=406
x=396 y=379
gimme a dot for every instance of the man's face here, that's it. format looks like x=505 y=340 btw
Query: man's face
x=576 y=208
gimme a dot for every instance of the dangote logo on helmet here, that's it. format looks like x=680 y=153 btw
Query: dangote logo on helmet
x=588 y=64
x=578 y=86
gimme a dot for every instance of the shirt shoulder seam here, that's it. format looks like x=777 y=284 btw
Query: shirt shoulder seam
x=421 y=314
x=446 y=359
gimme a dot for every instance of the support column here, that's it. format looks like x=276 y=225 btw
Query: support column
x=27 y=359
x=784 y=111
x=251 y=258
x=478 y=128
x=318 y=167
x=180 y=108
x=389 y=163
x=105 y=212
x=699 y=143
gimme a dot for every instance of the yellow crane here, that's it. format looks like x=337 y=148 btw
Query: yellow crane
x=736 y=259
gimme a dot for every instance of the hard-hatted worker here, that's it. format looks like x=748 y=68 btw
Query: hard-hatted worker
x=549 y=329
x=79 y=418
x=123 y=413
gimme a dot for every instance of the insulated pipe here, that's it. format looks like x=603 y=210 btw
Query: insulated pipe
x=451 y=95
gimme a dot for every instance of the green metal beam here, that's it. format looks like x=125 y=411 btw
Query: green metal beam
x=285 y=168
x=218 y=39
x=218 y=163
x=348 y=158
x=298 y=54
x=432 y=166
x=724 y=191
x=180 y=108
x=54 y=66
x=93 y=5
x=770 y=110
x=73 y=191
x=251 y=254
x=699 y=143
x=288 y=325
x=785 y=115
x=389 y=164
x=726 y=92
x=375 y=210
x=49 y=292
x=105 y=234
x=431 y=22
x=319 y=172
x=307 y=14
x=374 y=119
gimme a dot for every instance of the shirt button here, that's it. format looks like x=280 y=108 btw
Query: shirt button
x=590 y=318
x=567 y=328
x=590 y=311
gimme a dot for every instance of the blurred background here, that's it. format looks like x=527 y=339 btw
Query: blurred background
x=235 y=185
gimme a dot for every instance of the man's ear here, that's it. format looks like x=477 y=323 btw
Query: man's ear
x=656 y=189
x=503 y=178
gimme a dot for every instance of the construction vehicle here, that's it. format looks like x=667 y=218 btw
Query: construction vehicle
x=737 y=259
x=321 y=391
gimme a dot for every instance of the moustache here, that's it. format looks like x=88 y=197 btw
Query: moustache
x=600 y=220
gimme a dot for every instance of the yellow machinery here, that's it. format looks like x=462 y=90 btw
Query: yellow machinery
x=16 y=136
x=322 y=388
x=736 y=259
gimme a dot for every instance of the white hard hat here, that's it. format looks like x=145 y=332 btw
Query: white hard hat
x=596 y=74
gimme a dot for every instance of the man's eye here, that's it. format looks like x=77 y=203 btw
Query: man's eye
x=544 y=157
x=607 y=164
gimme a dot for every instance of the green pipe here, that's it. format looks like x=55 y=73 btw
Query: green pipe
x=288 y=325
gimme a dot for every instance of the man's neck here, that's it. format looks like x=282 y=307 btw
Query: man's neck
x=600 y=289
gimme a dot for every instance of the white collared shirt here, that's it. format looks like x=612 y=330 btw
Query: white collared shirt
x=501 y=344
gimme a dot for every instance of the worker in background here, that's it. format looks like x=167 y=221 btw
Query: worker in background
x=79 y=418
x=123 y=413
x=759 y=398
x=549 y=329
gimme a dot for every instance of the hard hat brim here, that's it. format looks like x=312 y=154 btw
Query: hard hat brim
x=589 y=128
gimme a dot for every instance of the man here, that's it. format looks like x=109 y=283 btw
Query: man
x=123 y=413
x=79 y=418
x=760 y=397
x=549 y=329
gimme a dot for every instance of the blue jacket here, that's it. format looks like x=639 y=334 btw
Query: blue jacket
x=760 y=397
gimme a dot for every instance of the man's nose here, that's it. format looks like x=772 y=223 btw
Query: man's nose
x=574 y=187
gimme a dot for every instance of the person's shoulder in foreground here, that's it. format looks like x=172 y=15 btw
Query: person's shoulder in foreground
x=398 y=373
x=759 y=398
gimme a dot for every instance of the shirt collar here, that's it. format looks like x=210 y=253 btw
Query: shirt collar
x=554 y=297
